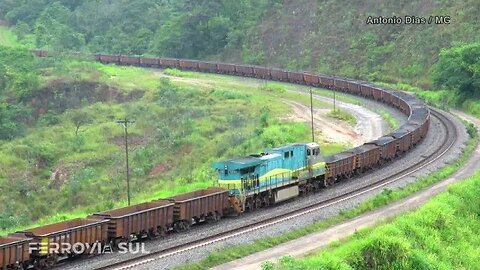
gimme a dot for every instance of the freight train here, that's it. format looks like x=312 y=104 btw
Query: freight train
x=245 y=183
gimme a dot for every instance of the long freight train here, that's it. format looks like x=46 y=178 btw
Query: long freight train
x=245 y=183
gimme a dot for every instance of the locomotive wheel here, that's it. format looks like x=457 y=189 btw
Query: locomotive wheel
x=258 y=203
x=266 y=201
x=248 y=205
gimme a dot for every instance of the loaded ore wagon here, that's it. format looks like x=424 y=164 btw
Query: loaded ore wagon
x=205 y=204
x=169 y=63
x=261 y=72
x=367 y=156
x=136 y=221
x=129 y=60
x=403 y=138
x=244 y=70
x=149 y=62
x=207 y=67
x=279 y=74
x=226 y=68
x=295 y=77
x=188 y=64
x=14 y=252
x=311 y=79
x=341 y=165
x=106 y=59
x=60 y=239
x=387 y=146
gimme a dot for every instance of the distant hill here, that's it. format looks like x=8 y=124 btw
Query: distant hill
x=327 y=36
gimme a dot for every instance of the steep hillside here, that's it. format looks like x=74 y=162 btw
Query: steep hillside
x=328 y=36
x=333 y=37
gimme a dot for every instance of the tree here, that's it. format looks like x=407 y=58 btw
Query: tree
x=459 y=68
x=79 y=118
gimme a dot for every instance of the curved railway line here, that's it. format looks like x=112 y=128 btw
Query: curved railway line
x=342 y=166
x=448 y=142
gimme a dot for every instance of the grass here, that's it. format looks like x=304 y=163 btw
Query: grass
x=442 y=234
x=273 y=87
x=387 y=117
x=385 y=197
x=8 y=38
x=343 y=116
x=180 y=73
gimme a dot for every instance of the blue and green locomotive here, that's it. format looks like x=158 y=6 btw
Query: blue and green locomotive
x=272 y=176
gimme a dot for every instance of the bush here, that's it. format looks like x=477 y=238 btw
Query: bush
x=273 y=87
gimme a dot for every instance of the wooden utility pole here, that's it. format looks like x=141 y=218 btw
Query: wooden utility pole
x=311 y=112
x=125 y=123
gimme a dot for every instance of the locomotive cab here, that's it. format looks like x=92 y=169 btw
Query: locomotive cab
x=315 y=160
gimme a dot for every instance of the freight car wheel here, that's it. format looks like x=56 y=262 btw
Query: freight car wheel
x=328 y=182
x=160 y=231
x=181 y=226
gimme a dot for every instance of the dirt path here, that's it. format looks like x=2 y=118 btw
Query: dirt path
x=329 y=129
x=313 y=242
x=368 y=127
x=369 y=124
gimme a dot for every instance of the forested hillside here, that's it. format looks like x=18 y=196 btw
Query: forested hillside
x=327 y=36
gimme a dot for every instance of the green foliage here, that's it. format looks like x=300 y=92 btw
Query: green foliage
x=178 y=73
x=167 y=28
x=343 y=116
x=459 y=69
x=273 y=87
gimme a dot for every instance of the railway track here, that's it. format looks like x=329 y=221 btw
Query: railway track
x=448 y=142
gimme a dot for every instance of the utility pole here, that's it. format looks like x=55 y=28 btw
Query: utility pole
x=334 y=91
x=311 y=112
x=125 y=123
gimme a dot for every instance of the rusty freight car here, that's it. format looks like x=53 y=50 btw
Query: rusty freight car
x=52 y=239
x=387 y=146
x=244 y=70
x=188 y=64
x=169 y=63
x=295 y=77
x=367 y=156
x=341 y=165
x=149 y=62
x=14 y=252
x=311 y=79
x=129 y=60
x=207 y=67
x=199 y=205
x=137 y=221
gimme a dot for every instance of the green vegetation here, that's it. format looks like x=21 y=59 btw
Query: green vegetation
x=273 y=87
x=179 y=73
x=343 y=116
x=302 y=35
x=428 y=238
x=385 y=197
x=168 y=28
x=392 y=121
x=7 y=37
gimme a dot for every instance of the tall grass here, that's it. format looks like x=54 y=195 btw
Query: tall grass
x=442 y=234
x=343 y=116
